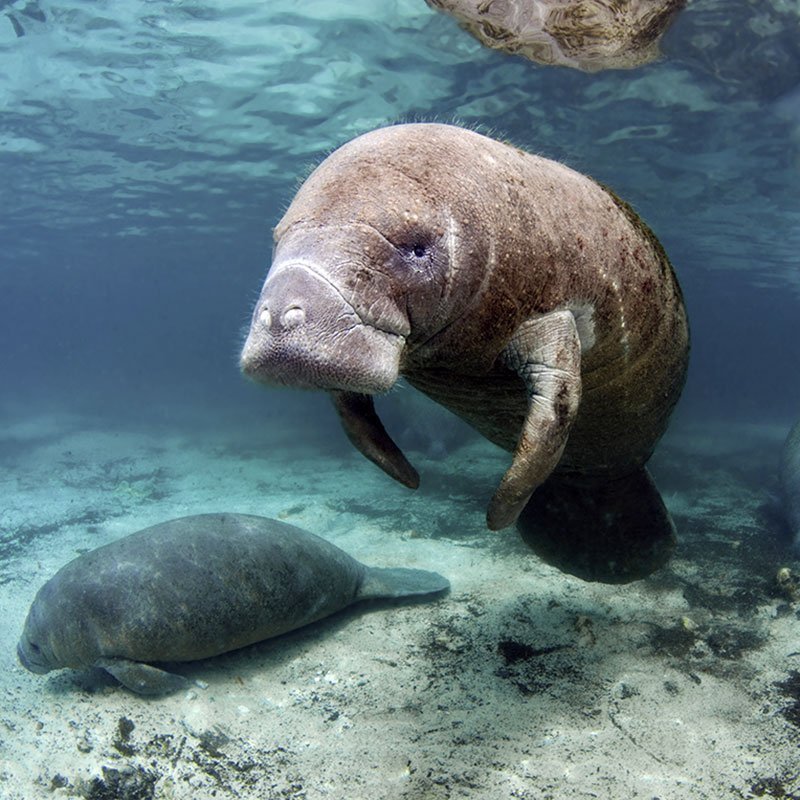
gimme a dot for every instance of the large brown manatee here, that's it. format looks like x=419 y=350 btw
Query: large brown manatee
x=523 y=296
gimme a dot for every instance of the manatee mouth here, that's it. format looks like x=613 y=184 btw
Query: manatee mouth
x=27 y=653
x=305 y=334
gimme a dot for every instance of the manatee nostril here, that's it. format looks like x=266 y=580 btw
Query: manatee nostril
x=265 y=318
x=293 y=316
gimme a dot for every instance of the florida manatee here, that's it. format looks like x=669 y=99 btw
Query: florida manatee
x=789 y=475
x=523 y=296
x=192 y=588
x=590 y=35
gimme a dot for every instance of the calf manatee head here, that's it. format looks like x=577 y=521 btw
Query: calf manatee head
x=34 y=648
x=364 y=262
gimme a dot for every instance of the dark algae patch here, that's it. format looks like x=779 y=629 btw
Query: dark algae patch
x=731 y=642
x=132 y=783
x=513 y=651
x=676 y=641
x=726 y=641
x=163 y=764
x=790 y=688
x=14 y=540
x=122 y=742
x=774 y=787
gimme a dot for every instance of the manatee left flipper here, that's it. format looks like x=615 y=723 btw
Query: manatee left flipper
x=366 y=432
x=142 y=678
x=545 y=352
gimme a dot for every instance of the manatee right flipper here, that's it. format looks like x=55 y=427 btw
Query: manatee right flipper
x=142 y=678
x=612 y=531
x=366 y=432
x=545 y=352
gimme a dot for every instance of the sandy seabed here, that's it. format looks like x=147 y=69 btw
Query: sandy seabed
x=522 y=682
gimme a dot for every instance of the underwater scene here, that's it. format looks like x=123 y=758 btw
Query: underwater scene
x=400 y=399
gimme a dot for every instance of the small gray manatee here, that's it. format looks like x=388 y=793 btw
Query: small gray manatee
x=789 y=475
x=524 y=297
x=192 y=588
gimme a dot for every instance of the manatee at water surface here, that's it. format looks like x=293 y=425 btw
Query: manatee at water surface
x=523 y=296
x=590 y=35
x=192 y=588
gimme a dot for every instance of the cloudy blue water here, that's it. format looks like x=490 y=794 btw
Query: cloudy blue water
x=147 y=148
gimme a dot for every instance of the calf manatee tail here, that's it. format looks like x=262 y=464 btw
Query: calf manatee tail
x=400 y=582
x=612 y=531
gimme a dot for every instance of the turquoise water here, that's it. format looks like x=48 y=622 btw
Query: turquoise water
x=146 y=151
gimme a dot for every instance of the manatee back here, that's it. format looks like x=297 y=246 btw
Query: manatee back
x=188 y=589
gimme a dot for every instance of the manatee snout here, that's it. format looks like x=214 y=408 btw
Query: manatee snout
x=306 y=333
x=31 y=657
x=295 y=306
x=293 y=298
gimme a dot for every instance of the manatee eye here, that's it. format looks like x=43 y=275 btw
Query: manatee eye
x=418 y=252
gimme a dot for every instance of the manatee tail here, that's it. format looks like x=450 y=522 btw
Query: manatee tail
x=613 y=531
x=400 y=582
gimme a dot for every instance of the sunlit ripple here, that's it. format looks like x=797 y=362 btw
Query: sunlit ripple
x=158 y=114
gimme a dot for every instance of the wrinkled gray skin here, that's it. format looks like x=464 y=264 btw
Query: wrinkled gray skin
x=192 y=588
x=516 y=292
x=790 y=481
